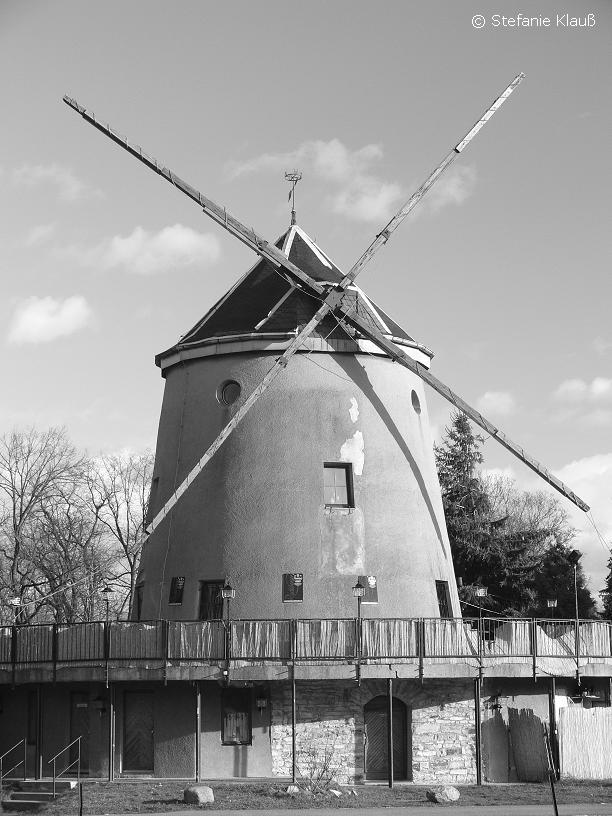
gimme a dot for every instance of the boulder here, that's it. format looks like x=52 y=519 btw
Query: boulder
x=443 y=795
x=198 y=795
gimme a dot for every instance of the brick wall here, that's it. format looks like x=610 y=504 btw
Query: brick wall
x=330 y=728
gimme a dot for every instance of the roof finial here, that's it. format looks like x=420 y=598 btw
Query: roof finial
x=293 y=176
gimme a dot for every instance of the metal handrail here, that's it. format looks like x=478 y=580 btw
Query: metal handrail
x=77 y=761
x=21 y=761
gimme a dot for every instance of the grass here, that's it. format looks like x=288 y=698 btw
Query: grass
x=155 y=797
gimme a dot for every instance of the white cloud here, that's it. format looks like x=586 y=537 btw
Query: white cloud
x=579 y=391
x=39 y=234
x=40 y=320
x=591 y=479
x=453 y=188
x=146 y=253
x=69 y=187
x=601 y=345
x=497 y=402
x=362 y=195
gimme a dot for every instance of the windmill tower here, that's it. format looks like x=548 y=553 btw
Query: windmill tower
x=331 y=476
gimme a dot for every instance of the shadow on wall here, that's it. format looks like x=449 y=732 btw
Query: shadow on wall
x=357 y=373
x=514 y=751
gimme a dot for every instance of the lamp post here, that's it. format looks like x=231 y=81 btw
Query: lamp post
x=358 y=592
x=481 y=592
x=15 y=603
x=107 y=592
x=551 y=603
x=227 y=593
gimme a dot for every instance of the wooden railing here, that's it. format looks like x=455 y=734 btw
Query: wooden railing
x=381 y=639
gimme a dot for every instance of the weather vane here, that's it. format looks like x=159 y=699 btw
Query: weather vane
x=293 y=176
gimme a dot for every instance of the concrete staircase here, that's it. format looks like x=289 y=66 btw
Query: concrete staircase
x=32 y=794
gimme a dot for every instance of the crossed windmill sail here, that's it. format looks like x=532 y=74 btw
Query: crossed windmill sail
x=336 y=298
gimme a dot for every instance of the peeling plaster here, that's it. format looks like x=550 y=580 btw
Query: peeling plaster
x=354 y=410
x=352 y=451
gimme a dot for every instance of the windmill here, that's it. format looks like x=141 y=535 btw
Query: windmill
x=337 y=299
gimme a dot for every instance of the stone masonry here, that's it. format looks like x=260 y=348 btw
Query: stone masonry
x=330 y=728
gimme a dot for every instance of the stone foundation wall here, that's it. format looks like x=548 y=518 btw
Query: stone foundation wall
x=330 y=728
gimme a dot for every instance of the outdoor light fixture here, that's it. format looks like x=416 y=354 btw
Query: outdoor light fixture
x=481 y=592
x=358 y=592
x=15 y=603
x=228 y=592
x=107 y=592
x=551 y=603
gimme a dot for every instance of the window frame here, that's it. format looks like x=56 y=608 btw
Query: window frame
x=443 y=587
x=247 y=706
x=206 y=583
x=347 y=467
x=176 y=591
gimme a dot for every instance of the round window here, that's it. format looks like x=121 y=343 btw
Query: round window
x=228 y=392
x=416 y=403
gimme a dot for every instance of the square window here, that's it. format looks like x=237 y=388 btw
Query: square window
x=211 y=602
x=338 y=484
x=293 y=587
x=236 y=717
x=444 y=602
x=177 y=585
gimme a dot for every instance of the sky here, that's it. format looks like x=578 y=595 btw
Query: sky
x=503 y=271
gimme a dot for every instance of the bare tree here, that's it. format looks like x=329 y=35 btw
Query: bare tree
x=35 y=467
x=71 y=560
x=119 y=491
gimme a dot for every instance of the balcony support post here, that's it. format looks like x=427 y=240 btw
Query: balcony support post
x=554 y=734
x=293 y=719
x=390 y=731
x=38 y=767
x=478 y=729
x=111 y=730
x=198 y=729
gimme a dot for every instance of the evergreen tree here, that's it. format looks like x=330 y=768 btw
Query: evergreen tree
x=514 y=543
x=555 y=580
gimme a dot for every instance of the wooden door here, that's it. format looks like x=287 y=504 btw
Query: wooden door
x=376 y=731
x=138 y=732
x=79 y=727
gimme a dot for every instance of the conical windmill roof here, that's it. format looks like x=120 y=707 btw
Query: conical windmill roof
x=239 y=312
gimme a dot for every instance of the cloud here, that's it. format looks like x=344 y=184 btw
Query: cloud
x=69 y=187
x=147 y=253
x=591 y=479
x=601 y=345
x=580 y=392
x=39 y=234
x=453 y=188
x=497 y=402
x=41 y=320
x=362 y=195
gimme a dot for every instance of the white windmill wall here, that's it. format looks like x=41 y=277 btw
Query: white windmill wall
x=257 y=510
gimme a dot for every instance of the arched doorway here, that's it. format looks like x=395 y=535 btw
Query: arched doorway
x=375 y=735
